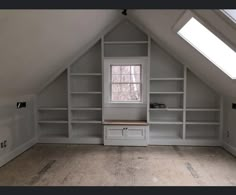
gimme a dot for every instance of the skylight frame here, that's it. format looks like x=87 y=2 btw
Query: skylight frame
x=184 y=19
x=228 y=15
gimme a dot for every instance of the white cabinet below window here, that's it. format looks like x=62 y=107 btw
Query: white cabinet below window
x=126 y=135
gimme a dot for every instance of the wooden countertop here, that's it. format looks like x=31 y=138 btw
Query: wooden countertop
x=124 y=122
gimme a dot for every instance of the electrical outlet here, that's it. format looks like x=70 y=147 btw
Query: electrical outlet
x=2 y=145
x=227 y=134
x=20 y=105
x=233 y=105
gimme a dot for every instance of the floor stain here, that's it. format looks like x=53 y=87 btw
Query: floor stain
x=191 y=170
x=178 y=151
x=39 y=175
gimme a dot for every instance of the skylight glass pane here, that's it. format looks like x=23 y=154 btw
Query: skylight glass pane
x=231 y=13
x=210 y=46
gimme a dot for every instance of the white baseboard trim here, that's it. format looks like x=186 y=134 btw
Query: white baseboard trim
x=13 y=154
x=229 y=148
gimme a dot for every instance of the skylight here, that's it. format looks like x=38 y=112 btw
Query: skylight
x=231 y=13
x=210 y=46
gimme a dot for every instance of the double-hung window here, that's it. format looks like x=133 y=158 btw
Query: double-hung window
x=125 y=83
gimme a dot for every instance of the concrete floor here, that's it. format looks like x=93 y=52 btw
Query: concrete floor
x=95 y=165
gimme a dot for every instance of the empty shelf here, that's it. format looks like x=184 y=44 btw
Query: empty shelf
x=53 y=121
x=201 y=123
x=86 y=74
x=166 y=109
x=166 y=79
x=86 y=108
x=127 y=57
x=124 y=122
x=88 y=92
x=201 y=138
x=86 y=122
x=167 y=92
x=166 y=122
x=161 y=137
x=90 y=139
x=125 y=42
x=52 y=108
x=54 y=136
x=203 y=109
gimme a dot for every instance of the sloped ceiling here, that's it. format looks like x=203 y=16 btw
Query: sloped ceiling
x=34 y=44
x=161 y=22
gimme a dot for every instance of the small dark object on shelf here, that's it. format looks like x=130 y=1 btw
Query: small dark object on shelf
x=157 y=105
x=162 y=106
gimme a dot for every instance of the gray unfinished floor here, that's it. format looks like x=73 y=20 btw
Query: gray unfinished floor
x=95 y=165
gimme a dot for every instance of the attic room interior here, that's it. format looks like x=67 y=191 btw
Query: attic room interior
x=129 y=97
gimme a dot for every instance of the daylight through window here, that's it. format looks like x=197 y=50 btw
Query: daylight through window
x=126 y=83
x=210 y=46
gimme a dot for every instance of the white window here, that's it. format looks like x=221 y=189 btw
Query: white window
x=231 y=13
x=209 y=45
x=125 y=83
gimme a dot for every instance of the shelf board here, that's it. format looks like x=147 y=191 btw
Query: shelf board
x=87 y=122
x=85 y=74
x=166 y=109
x=86 y=108
x=161 y=137
x=51 y=108
x=166 y=79
x=166 y=122
x=163 y=93
x=126 y=57
x=76 y=135
x=125 y=42
x=201 y=138
x=93 y=139
x=201 y=123
x=88 y=92
x=124 y=122
x=51 y=136
x=193 y=141
x=203 y=109
x=53 y=121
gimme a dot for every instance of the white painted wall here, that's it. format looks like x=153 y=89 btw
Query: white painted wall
x=161 y=24
x=230 y=124
x=35 y=44
x=16 y=126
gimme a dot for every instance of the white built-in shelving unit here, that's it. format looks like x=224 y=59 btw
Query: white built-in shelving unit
x=71 y=108
x=86 y=97
x=192 y=116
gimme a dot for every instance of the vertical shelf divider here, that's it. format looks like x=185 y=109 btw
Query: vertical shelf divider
x=221 y=119
x=102 y=80
x=69 y=102
x=148 y=78
x=36 y=118
x=184 y=103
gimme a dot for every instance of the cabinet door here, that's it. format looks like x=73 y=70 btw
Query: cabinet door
x=114 y=132
x=135 y=133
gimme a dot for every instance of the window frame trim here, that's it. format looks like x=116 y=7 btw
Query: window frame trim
x=228 y=16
